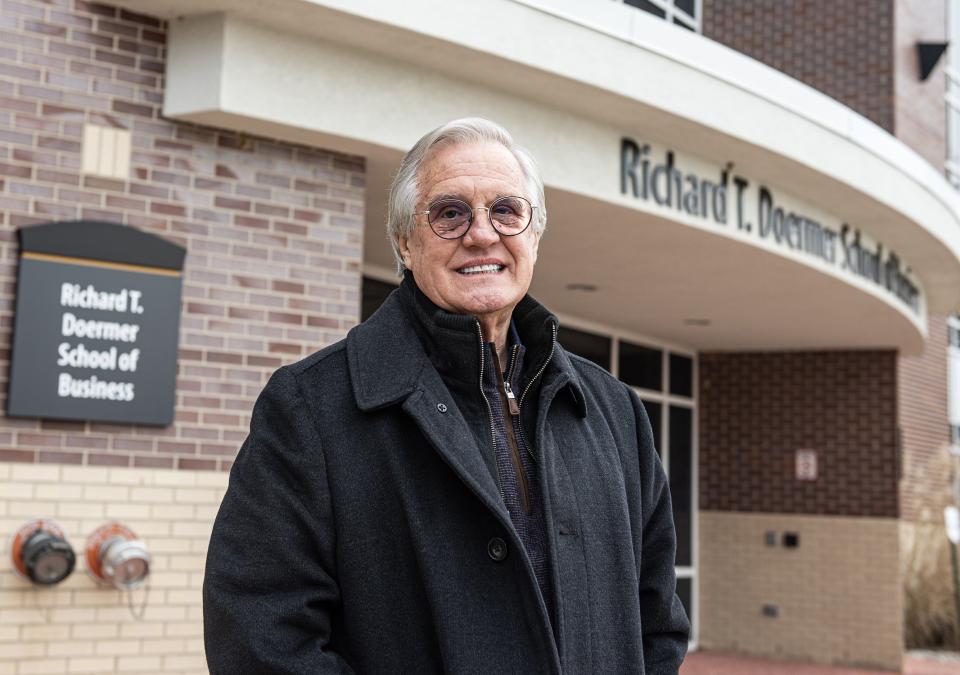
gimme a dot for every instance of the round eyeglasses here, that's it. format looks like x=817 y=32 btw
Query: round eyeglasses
x=450 y=218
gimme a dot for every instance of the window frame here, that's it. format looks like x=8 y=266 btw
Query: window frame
x=674 y=15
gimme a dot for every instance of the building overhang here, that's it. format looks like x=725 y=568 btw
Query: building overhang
x=369 y=78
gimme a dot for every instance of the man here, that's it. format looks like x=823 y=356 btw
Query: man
x=448 y=490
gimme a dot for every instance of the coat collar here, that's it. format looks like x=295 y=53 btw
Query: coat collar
x=387 y=358
x=384 y=356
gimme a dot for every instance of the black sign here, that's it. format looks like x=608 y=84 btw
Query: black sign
x=663 y=182
x=96 y=338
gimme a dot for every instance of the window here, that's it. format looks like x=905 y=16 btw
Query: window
x=953 y=332
x=953 y=380
x=640 y=366
x=681 y=375
x=590 y=346
x=683 y=13
x=681 y=481
x=374 y=293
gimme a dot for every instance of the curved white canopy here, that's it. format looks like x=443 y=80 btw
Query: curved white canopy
x=570 y=81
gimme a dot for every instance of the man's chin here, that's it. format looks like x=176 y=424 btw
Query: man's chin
x=494 y=303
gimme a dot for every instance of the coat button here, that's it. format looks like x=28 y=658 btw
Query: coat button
x=442 y=407
x=497 y=549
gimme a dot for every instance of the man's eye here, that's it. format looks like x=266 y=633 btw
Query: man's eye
x=447 y=212
x=510 y=206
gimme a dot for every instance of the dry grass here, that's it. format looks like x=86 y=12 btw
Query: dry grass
x=930 y=613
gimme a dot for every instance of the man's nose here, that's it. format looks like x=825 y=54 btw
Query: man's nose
x=482 y=231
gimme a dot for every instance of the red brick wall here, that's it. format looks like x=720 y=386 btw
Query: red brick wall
x=757 y=409
x=924 y=425
x=273 y=231
x=844 y=48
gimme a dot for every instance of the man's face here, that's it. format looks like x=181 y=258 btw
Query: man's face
x=477 y=173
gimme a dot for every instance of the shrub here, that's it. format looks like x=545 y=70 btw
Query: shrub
x=930 y=612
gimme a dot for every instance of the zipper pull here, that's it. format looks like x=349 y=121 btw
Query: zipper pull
x=511 y=399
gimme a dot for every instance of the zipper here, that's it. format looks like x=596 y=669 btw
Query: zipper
x=553 y=346
x=513 y=362
x=512 y=406
x=493 y=437
x=507 y=379
x=512 y=411
x=512 y=401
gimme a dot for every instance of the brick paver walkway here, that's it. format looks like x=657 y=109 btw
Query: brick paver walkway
x=710 y=663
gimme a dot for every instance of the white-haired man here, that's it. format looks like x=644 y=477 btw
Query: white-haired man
x=447 y=489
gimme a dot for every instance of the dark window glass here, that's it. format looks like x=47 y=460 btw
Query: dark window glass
x=681 y=455
x=685 y=593
x=678 y=22
x=685 y=6
x=647 y=6
x=954 y=335
x=374 y=293
x=655 y=413
x=641 y=366
x=595 y=348
x=681 y=375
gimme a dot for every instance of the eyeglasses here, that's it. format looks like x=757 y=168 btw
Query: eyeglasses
x=451 y=218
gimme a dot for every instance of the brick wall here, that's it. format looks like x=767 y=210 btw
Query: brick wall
x=844 y=48
x=273 y=231
x=757 y=409
x=837 y=595
x=924 y=426
x=920 y=110
x=80 y=627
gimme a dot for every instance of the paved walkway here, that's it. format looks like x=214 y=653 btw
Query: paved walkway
x=711 y=663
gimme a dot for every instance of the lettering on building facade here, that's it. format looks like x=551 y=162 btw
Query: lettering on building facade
x=730 y=200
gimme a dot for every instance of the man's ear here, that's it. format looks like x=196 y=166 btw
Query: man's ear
x=403 y=243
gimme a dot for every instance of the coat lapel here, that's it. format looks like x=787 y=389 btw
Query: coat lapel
x=388 y=367
x=450 y=436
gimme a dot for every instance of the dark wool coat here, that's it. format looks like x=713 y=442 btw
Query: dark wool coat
x=362 y=530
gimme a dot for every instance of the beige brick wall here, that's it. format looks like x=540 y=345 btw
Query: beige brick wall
x=924 y=425
x=838 y=593
x=79 y=627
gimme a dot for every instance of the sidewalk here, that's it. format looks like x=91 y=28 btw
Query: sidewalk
x=711 y=663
